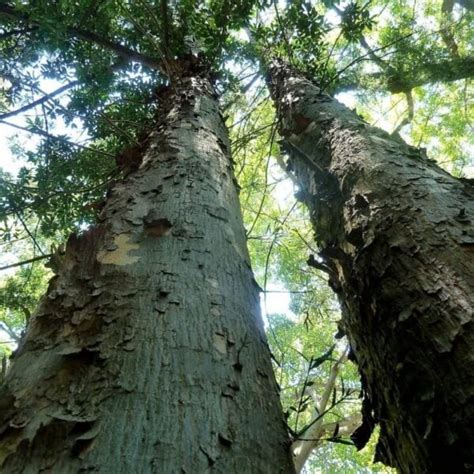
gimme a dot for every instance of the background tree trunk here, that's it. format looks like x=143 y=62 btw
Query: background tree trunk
x=148 y=352
x=397 y=240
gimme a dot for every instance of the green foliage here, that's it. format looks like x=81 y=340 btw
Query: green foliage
x=19 y=296
x=339 y=458
x=455 y=144
x=355 y=20
x=113 y=103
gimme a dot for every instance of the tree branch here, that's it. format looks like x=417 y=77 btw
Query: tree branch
x=446 y=32
x=449 y=70
x=6 y=328
x=25 y=262
x=410 y=115
x=302 y=448
x=89 y=36
x=366 y=55
x=33 y=237
x=344 y=427
x=45 y=134
x=40 y=101
x=283 y=32
x=376 y=59
x=165 y=26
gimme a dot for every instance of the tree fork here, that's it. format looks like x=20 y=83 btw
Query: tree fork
x=148 y=353
x=398 y=232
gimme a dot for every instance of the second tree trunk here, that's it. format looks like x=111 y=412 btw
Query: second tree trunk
x=397 y=239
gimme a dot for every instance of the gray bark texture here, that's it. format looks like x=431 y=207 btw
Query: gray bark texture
x=148 y=353
x=397 y=240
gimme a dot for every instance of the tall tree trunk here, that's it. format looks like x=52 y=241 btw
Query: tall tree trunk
x=396 y=237
x=148 y=352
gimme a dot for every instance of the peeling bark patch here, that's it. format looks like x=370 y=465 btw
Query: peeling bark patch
x=81 y=447
x=301 y=123
x=120 y=254
x=86 y=431
x=218 y=213
x=230 y=390
x=220 y=343
x=12 y=438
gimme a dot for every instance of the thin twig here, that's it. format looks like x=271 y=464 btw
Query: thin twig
x=40 y=101
x=33 y=238
x=26 y=262
x=45 y=134
x=364 y=56
x=264 y=195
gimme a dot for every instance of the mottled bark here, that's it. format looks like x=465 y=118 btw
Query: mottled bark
x=148 y=352
x=396 y=235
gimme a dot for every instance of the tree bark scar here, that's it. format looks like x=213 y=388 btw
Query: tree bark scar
x=158 y=227
x=119 y=253
x=130 y=159
x=299 y=124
